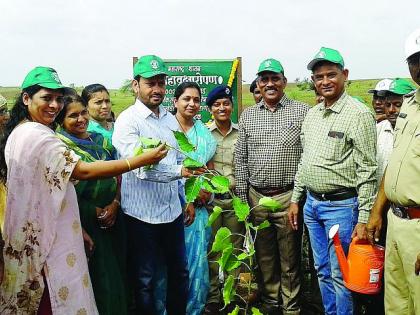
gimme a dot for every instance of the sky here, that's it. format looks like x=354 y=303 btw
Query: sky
x=92 y=41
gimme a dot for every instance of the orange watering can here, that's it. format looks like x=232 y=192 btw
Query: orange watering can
x=363 y=268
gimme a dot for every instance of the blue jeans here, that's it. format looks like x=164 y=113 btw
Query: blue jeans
x=146 y=243
x=319 y=217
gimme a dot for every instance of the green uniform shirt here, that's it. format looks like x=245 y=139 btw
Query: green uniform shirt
x=223 y=159
x=402 y=177
x=339 y=151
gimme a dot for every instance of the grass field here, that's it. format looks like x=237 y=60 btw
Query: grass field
x=121 y=100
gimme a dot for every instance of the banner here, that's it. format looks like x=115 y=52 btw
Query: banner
x=207 y=74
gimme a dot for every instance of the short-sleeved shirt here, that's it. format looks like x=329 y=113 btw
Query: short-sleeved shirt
x=223 y=159
x=402 y=178
x=339 y=152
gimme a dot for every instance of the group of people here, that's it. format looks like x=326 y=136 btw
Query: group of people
x=90 y=227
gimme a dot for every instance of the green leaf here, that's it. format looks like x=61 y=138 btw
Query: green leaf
x=221 y=240
x=214 y=215
x=191 y=163
x=183 y=142
x=227 y=252
x=148 y=143
x=192 y=188
x=270 y=203
x=243 y=256
x=232 y=263
x=207 y=185
x=138 y=151
x=221 y=183
x=228 y=290
x=263 y=225
x=256 y=311
x=241 y=209
x=235 y=311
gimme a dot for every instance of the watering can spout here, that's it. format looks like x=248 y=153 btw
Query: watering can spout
x=341 y=257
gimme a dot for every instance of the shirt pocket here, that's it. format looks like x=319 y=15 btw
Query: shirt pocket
x=335 y=147
x=288 y=135
x=398 y=132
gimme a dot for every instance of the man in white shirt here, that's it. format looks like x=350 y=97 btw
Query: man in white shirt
x=153 y=206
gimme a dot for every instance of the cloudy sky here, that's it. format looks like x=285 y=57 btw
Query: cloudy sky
x=90 y=41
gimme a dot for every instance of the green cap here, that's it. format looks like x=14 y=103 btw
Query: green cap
x=271 y=65
x=401 y=86
x=42 y=76
x=149 y=66
x=326 y=54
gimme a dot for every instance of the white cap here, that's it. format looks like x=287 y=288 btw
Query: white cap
x=412 y=43
x=382 y=85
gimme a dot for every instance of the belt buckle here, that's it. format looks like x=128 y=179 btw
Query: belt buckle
x=398 y=212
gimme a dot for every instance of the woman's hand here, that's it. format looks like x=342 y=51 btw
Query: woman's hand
x=153 y=156
x=89 y=244
x=108 y=215
x=203 y=197
x=189 y=214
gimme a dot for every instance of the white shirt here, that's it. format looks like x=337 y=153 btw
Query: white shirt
x=148 y=201
x=384 y=145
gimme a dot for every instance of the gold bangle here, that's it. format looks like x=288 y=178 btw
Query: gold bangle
x=128 y=164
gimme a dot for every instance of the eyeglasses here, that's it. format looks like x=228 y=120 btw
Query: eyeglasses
x=263 y=80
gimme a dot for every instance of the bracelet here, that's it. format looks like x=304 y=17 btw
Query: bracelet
x=128 y=164
x=117 y=202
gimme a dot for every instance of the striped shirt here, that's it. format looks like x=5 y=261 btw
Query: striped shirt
x=148 y=201
x=268 y=149
x=339 y=152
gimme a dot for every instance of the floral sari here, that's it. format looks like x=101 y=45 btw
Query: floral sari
x=42 y=230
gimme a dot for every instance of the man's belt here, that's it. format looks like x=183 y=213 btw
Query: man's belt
x=223 y=196
x=406 y=212
x=269 y=192
x=335 y=195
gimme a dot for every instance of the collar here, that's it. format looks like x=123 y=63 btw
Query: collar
x=282 y=102
x=386 y=125
x=337 y=106
x=146 y=112
x=233 y=126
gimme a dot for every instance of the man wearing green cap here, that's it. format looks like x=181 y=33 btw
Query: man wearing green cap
x=267 y=154
x=399 y=193
x=153 y=206
x=337 y=171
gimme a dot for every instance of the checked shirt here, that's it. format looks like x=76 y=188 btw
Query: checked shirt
x=339 y=151
x=268 y=149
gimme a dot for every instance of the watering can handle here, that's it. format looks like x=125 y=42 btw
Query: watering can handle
x=357 y=240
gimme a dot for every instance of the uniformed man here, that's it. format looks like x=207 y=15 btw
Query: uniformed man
x=400 y=189
x=337 y=170
x=219 y=101
x=255 y=90
x=378 y=101
x=393 y=94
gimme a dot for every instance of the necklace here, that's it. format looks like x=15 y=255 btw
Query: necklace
x=185 y=132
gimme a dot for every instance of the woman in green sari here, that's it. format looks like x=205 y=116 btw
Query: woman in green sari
x=99 y=209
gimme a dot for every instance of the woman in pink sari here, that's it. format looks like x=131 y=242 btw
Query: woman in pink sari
x=44 y=256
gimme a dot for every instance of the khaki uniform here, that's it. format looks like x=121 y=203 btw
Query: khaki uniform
x=223 y=163
x=402 y=186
